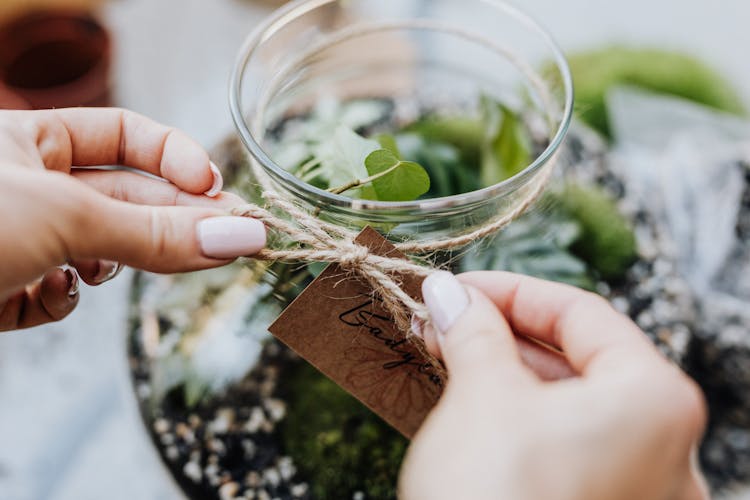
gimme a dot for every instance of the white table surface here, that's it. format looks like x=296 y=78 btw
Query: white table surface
x=69 y=425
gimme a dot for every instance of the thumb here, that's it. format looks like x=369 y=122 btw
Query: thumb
x=160 y=239
x=474 y=338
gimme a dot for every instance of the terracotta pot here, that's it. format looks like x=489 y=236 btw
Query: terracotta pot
x=56 y=59
x=11 y=100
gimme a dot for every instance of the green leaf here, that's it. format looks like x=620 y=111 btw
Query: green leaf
x=388 y=142
x=534 y=245
x=506 y=149
x=342 y=156
x=405 y=180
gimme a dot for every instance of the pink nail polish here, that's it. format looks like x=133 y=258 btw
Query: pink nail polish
x=230 y=237
x=108 y=270
x=446 y=299
x=218 y=181
x=73 y=283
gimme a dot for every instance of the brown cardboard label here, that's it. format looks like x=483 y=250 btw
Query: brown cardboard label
x=343 y=330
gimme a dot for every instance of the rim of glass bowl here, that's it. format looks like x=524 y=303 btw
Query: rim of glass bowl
x=298 y=8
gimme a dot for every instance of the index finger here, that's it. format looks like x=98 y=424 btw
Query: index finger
x=111 y=136
x=584 y=326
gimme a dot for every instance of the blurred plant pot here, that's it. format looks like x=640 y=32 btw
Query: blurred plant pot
x=11 y=100
x=56 y=59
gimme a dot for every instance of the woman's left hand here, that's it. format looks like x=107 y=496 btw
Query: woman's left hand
x=56 y=213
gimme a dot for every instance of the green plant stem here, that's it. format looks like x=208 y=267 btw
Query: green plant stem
x=361 y=182
x=307 y=167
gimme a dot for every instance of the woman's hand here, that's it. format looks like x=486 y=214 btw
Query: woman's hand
x=625 y=427
x=54 y=213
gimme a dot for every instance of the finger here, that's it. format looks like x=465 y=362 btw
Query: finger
x=475 y=340
x=50 y=299
x=583 y=325
x=95 y=272
x=547 y=364
x=159 y=239
x=135 y=188
x=91 y=137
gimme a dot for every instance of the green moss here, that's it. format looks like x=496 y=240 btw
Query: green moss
x=337 y=443
x=594 y=73
x=607 y=242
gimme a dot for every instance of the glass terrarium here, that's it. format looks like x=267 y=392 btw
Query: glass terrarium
x=479 y=98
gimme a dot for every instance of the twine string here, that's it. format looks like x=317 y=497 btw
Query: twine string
x=319 y=241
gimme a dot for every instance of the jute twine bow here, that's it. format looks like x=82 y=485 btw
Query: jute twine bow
x=320 y=241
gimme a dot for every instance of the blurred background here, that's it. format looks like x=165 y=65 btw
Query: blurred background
x=69 y=422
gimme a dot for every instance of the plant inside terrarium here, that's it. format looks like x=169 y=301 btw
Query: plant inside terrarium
x=362 y=149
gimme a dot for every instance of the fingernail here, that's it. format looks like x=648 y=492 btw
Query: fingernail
x=218 y=181
x=446 y=299
x=231 y=237
x=73 y=283
x=107 y=271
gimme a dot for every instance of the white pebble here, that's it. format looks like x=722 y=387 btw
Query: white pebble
x=272 y=477
x=256 y=420
x=228 y=491
x=161 y=426
x=193 y=472
x=263 y=495
x=276 y=409
x=286 y=468
x=299 y=490
x=222 y=422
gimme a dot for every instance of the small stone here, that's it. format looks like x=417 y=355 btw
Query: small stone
x=217 y=446
x=161 y=425
x=299 y=490
x=267 y=427
x=272 y=477
x=222 y=422
x=621 y=305
x=172 y=453
x=256 y=420
x=185 y=433
x=276 y=409
x=286 y=468
x=212 y=473
x=249 y=494
x=358 y=495
x=229 y=490
x=263 y=495
x=194 y=421
x=167 y=439
x=253 y=479
x=193 y=472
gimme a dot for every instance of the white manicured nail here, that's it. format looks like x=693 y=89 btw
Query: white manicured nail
x=107 y=270
x=231 y=237
x=446 y=299
x=218 y=181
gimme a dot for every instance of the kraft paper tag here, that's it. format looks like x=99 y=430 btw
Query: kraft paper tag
x=343 y=330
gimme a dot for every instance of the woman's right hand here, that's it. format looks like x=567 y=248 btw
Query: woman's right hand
x=625 y=427
x=95 y=219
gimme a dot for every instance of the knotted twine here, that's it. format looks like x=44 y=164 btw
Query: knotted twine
x=319 y=241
